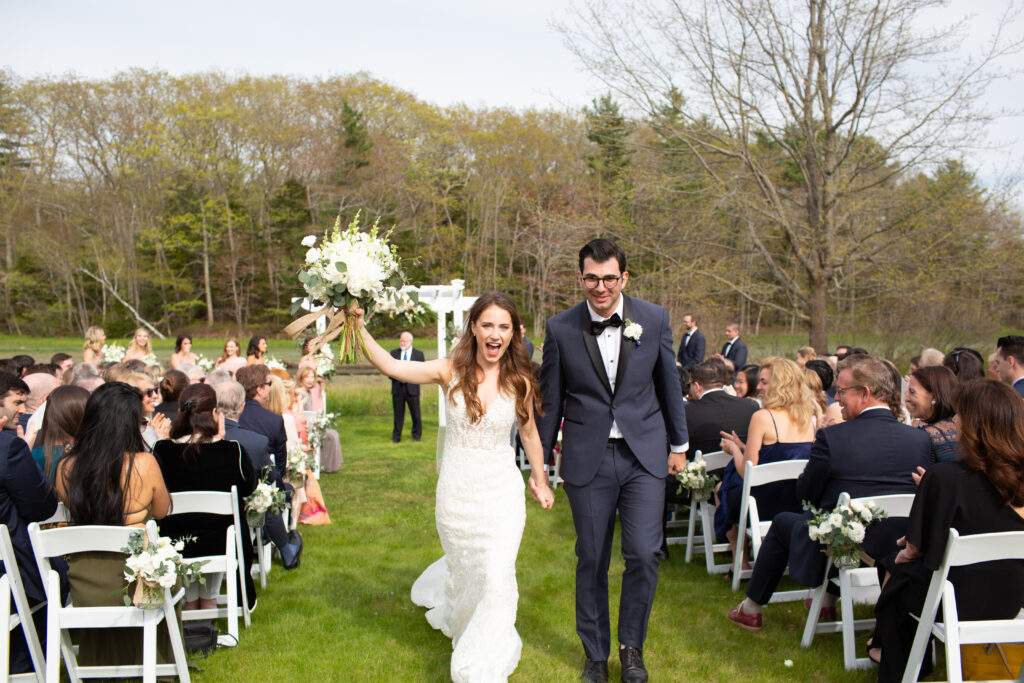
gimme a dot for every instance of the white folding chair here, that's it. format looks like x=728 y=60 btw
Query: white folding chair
x=60 y=619
x=856 y=586
x=705 y=512
x=218 y=503
x=750 y=521
x=962 y=551
x=11 y=586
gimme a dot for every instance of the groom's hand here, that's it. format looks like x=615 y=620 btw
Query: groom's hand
x=676 y=463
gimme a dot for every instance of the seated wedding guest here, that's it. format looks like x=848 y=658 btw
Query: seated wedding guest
x=308 y=361
x=183 y=351
x=107 y=477
x=981 y=492
x=230 y=400
x=813 y=381
x=22 y=363
x=8 y=365
x=217 y=376
x=231 y=358
x=154 y=426
x=135 y=365
x=1010 y=361
x=87 y=382
x=42 y=369
x=257 y=418
x=931 y=392
x=194 y=373
x=711 y=411
x=330 y=446
x=804 y=354
x=833 y=411
x=39 y=387
x=915 y=363
x=81 y=370
x=171 y=386
x=782 y=429
x=25 y=496
x=255 y=351
x=966 y=364
x=92 y=349
x=64 y=360
x=990 y=370
x=197 y=457
x=64 y=410
x=745 y=382
x=139 y=347
x=870 y=454
x=930 y=356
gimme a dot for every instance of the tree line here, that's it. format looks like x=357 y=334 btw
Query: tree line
x=182 y=200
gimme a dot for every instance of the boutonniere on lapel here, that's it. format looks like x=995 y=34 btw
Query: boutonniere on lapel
x=632 y=331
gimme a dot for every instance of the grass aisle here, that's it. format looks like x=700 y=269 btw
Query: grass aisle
x=345 y=614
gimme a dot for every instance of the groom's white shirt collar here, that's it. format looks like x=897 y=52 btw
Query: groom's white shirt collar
x=597 y=318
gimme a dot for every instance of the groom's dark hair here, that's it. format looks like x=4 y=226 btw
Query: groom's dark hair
x=602 y=250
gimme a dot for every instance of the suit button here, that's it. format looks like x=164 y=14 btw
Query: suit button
x=614 y=407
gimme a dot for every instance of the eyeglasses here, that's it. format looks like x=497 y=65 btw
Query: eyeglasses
x=201 y=380
x=267 y=383
x=152 y=392
x=841 y=390
x=610 y=281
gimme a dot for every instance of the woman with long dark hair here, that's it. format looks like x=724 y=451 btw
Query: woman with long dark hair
x=64 y=409
x=256 y=350
x=183 y=351
x=197 y=458
x=480 y=510
x=107 y=477
x=982 y=491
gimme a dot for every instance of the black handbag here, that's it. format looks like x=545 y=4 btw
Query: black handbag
x=200 y=637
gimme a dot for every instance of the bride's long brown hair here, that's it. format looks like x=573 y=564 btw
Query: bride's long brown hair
x=515 y=371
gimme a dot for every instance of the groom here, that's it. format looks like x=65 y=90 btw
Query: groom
x=609 y=371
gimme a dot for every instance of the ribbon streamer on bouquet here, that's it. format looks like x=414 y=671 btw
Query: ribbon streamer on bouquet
x=335 y=326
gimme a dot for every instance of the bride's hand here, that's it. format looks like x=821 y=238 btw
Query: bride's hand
x=541 y=492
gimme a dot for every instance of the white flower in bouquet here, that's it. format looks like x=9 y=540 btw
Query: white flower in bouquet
x=842 y=529
x=273 y=363
x=112 y=353
x=158 y=564
x=203 y=362
x=267 y=498
x=150 y=359
x=349 y=268
x=298 y=461
x=696 y=479
x=855 y=530
x=317 y=426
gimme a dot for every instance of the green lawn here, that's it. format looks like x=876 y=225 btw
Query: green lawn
x=345 y=614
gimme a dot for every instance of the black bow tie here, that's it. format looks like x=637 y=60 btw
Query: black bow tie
x=597 y=327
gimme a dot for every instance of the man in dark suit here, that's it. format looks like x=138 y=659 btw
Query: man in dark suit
x=870 y=454
x=691 y=349
x=1009 y=363
x=734 y=348
x=230 y=400
x=713 y=411
x=25 y=496
x=403 y=394
x=609 y=370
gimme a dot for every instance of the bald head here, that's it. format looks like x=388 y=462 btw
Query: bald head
x=39 y=387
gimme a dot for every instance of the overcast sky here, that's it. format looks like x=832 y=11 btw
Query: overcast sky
x=475 y=52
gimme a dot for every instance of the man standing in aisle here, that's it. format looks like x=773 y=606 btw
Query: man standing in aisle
x=734 y=348
x=609 y=370
x=403 y=394
x=691 y=349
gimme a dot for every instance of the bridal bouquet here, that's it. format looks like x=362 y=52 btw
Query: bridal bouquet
x=150 y=359
x=404 y=302
x=349 y=268
x=317 y=426
x=267 y=498
x=298 y=462
x=696 y=480
x=842 y=530
x=273 y=363
x=112 y=353
x=204 y=363
x=154 y=567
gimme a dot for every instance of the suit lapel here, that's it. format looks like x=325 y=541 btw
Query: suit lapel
x=625 y=345
x=591 y=343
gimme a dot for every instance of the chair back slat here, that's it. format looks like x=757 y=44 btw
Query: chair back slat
x=715 y=460
x=208 y=502
x=895 y=505
x=966 y=550
x=773 y=471
x=76 y=539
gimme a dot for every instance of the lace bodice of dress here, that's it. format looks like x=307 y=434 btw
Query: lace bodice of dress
x=491 y=433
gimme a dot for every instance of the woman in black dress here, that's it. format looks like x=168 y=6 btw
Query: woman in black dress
x=980 y=492
x=197 y=458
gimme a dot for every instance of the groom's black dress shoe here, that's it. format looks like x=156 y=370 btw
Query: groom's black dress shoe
x=633 y=670
x=595 y=671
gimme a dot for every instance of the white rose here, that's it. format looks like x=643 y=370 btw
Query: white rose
x=856 y=532
x=313 y=255
x=812 y=531
x=308 y=240
x=825 y=528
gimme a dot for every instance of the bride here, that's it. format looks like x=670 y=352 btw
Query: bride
x=480 y=507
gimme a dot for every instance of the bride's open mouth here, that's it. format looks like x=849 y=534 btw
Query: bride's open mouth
x=493 y=348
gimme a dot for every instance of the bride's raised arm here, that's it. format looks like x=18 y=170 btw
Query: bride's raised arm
x=409 y=371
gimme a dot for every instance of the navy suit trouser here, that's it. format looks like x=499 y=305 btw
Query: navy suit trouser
x=621 y=484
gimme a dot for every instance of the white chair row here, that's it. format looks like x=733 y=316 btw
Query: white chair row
x=704 y=512
x=57 y=542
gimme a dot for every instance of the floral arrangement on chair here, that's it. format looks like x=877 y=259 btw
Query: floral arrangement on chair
x=842 y=529
x=316 y=427
x=696 y=480
x=154 y=567
x=298 y=462
x=267 y=498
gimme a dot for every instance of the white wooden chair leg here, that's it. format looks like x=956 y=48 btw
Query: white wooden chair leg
x=690 y=528
x=817 y=597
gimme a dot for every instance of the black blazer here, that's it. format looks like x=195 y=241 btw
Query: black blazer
x=410 y=389
x=258 y=419
x=257 y=446
x=25 y=496
x=713 y=413
x=692 y=353
x=737 y=354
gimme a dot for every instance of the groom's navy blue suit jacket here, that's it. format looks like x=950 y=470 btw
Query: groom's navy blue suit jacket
x=647 y=403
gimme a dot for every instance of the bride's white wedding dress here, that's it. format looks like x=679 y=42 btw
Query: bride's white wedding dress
x=471 y=592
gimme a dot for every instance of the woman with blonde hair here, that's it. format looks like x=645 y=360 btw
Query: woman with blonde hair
x=804 y=354
x=139 y=347
x=782 y=430
x=92 y=349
